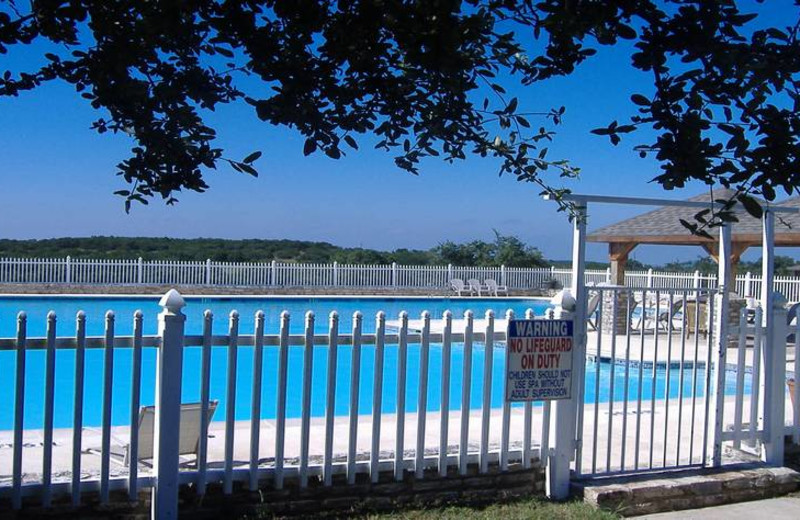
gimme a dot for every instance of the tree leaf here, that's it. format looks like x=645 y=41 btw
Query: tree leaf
x=310 y=146
x=751 y=205
x=252 y=157
x=246 y=168
x=352 y=142
x=225 y=52
x=512 y=106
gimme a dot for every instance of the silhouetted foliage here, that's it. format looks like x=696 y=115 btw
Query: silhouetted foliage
x=426 y=78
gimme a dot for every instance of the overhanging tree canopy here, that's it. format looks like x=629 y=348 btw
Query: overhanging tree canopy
x=422 y=76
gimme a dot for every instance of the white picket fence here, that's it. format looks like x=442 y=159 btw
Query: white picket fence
x=284 y=274
x=298 y=451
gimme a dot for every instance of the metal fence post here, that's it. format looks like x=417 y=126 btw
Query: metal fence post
x=169 y=366
x=775 y=383
x=273 y=281
x=335 y=274
x=394 y=274
x=570 y=306
x=748 y=285
x=139 y=271
x=557 y=477
x=774 y=353
x=449 y=272
x=68 y=269
x=503 y=274
x=649 y=282
x=608 y=275
x=720 y=346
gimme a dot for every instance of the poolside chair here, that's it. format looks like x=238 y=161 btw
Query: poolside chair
x=189 y=433
x=591 y=309
x=475 y=286
x=791 y=314
x=458 y=285
x=493 y=288
x=791 y=323
x=666 y=311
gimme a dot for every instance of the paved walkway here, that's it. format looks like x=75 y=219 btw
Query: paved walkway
x=771 y=509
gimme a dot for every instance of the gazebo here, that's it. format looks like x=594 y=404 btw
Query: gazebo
x=662 y=226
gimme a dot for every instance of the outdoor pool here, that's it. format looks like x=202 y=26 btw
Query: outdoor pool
x=95 y=308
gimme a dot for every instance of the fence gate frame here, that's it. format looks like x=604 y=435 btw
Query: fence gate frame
x=568 y=432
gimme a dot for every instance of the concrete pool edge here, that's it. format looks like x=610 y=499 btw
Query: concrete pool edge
x=387 y=296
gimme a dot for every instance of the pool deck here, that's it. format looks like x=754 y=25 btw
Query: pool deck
x=610 y=442
x=155 y=290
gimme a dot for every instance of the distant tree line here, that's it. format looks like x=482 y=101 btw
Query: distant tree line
x=506 y=250
x=707 y=265
x=704 y=264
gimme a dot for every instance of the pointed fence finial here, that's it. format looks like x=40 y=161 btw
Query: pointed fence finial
x=172 y=301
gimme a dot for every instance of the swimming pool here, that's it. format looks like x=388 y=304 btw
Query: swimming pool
x=37 y=309
x=95 y=308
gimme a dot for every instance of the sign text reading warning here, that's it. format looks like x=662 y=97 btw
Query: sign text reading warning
x=539 y=363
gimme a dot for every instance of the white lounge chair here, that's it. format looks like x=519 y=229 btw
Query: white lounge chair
x=591 y=309
x=657 y=315
x=458 y=285
x=189 y=433
x=475 y=286
x=493 y=288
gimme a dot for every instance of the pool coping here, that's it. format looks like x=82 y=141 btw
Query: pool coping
x=277 y=296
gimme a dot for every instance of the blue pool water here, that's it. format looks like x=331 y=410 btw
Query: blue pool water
x=95 y=308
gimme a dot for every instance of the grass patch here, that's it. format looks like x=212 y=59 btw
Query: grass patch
x=524 y=509
x=528 y=509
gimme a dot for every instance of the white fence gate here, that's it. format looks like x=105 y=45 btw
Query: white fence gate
x=648 y=401
x=674 y=395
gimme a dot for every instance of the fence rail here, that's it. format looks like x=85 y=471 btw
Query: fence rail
x=282 y=274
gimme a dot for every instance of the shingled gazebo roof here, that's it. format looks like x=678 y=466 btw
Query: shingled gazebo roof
x=662 y=226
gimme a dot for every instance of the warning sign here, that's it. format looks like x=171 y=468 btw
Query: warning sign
x=539 y=360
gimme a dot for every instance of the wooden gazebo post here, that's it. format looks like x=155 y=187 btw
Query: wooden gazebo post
x=618 y=255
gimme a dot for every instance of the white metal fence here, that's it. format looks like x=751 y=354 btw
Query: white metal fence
x=282 y=274
x=686 y=388
x=648 y=351
x=255 y=449
x=427 y=355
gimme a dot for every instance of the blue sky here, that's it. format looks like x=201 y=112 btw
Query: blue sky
x=57 y=178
